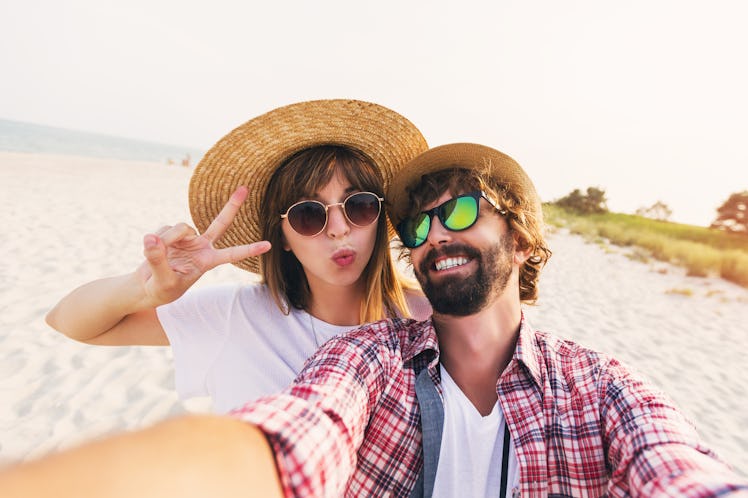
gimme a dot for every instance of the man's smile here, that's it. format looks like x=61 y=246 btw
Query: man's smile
x=451 y=262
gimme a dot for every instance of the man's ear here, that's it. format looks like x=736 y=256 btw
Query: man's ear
x=521 y=254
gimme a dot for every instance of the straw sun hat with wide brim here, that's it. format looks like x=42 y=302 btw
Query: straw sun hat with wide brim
x=250 y=154
x=490 y=162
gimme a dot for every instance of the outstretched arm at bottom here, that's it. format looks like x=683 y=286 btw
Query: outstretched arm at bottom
x=184 y=457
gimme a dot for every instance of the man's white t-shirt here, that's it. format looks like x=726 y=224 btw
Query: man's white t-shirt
x=232 y=343
x=471 y=449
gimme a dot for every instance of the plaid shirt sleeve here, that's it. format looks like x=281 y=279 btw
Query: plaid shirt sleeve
x=585 y=425
x=316 y=426
x=653 y=450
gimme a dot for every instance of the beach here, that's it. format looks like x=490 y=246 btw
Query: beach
x=69 y=220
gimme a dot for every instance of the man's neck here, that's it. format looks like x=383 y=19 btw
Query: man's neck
x=476 y=349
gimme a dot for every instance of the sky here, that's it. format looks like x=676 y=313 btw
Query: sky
x=647 y=99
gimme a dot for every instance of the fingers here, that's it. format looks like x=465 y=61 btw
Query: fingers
x=180 y=231
x=154 y=251
x=238 y=253
x=227 y=214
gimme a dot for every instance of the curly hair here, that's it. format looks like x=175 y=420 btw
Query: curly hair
x=524 y=217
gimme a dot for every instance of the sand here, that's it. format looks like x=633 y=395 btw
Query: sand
x=68 y=220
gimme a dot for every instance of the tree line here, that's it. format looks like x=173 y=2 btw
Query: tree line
x=732 y=215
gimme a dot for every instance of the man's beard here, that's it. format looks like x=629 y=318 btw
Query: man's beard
x=463 y=296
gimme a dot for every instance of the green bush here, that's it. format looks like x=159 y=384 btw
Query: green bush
x=593 y=201
x=734 y=267
x=702 y=251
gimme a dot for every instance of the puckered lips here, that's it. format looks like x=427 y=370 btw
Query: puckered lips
x=344 y=257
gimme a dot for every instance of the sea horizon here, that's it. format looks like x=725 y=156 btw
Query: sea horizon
x=22 y=136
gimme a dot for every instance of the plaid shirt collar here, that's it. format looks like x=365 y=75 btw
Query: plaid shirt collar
x=528 y=353
x=424 y=343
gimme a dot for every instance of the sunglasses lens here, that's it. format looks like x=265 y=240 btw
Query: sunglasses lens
x=459 y=213
x=413 y=231
x=362 y=209
x=307 y=218
x=456 y=214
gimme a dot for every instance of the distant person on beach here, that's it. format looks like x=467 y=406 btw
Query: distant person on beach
x=309 y=179
x=472 y=402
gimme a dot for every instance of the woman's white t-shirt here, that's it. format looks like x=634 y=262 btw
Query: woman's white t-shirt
x=232 y=343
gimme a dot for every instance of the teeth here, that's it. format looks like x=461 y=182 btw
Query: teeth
x=445 y=264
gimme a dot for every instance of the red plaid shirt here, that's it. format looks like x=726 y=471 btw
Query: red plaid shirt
x=581 y=424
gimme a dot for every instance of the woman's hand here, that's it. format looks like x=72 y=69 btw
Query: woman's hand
x=176 y=257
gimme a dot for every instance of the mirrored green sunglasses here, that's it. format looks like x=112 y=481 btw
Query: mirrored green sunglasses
x=456 y=214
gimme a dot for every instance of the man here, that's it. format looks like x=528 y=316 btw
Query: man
x=471 y=402
x=562 y=420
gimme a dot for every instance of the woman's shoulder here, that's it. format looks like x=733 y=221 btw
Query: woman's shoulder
x=256 y=289
x=420 y=307
x=226 y=293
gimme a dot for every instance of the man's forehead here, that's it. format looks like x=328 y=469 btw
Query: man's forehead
x=447 y=194
x=444 y=196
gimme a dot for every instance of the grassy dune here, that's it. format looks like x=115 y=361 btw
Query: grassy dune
x=703 y=252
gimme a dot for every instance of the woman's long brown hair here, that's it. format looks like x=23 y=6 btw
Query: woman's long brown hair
x=298 y=178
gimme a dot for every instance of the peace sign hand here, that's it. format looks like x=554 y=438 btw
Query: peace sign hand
x=176 y=257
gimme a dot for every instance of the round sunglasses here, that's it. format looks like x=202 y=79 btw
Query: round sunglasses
x=309 y=218
x=456 y=214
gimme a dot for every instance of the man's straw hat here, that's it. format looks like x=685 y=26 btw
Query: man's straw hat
x=250 y=154
x=490 y=162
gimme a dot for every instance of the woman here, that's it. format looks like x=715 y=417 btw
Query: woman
x=307 y=178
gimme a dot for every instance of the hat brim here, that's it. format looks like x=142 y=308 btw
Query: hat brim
x=494 y=164
x=250 y=154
